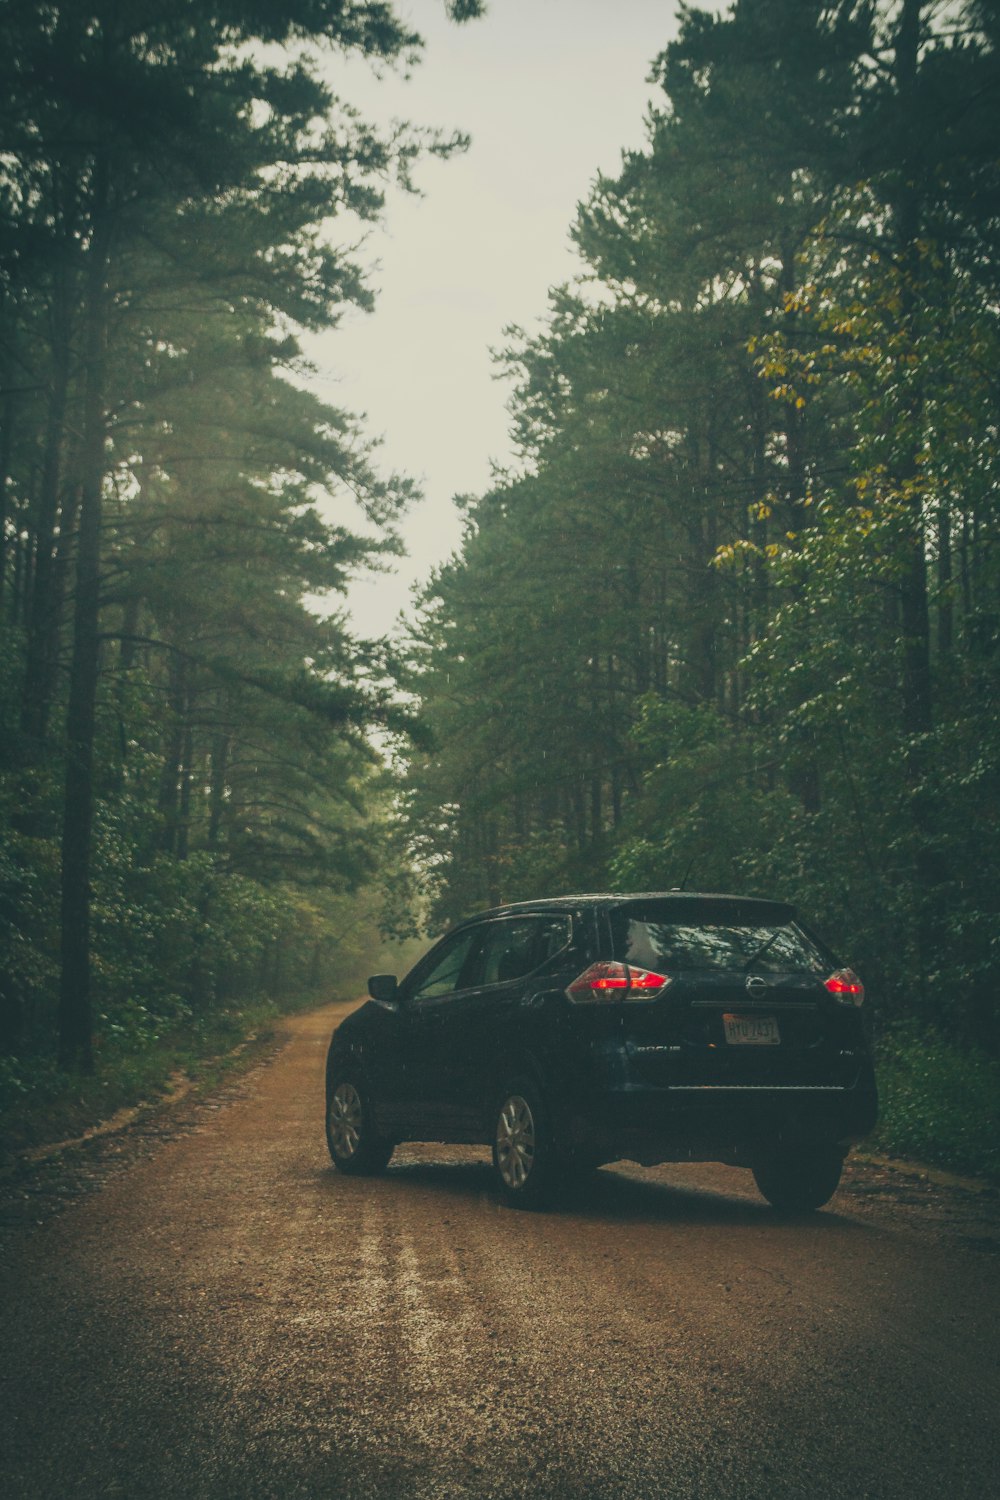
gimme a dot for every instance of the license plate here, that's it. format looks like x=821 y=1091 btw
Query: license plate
x=751 y=1031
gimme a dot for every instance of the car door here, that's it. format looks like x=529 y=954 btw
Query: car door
x=412 y=1087
x=493 y=1018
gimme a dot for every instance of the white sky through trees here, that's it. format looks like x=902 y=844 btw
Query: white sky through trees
x=551 y=92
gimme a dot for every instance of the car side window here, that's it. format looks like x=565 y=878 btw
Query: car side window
x=519 y=945
x=449 y=967
x=557 y=934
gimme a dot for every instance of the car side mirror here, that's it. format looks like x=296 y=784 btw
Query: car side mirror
x=384 y=988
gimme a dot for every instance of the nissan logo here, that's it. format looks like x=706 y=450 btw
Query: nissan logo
x=755 y=984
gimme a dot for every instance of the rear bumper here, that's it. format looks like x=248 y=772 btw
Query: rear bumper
x=717 y=1123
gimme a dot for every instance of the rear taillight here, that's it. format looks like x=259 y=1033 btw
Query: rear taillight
x=606 y=983
x=846 y=987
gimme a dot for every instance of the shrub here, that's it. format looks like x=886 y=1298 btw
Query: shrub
x=940 y=1102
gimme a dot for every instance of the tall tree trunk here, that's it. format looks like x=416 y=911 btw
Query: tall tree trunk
x=965 y=569
x=187 y=778
x=578 y=815
x=915 y=613
x=804 y=779
x=916 y=678
x=75 y=1018
x=598 y=741
x=6 y=456
x=173 y=754
x=490 y=858
x=702 y=530
x=45 y=602
x=126 y=660
x=217 y=787
x=946 y=607
x=618 y=750
x=18 y=586
x=760 y=604
x=918 y=705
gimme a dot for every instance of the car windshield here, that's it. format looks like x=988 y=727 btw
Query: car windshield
x=659 y=940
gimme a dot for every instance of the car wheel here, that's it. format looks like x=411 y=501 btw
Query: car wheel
x=524 y=1158
x=799 y=1181
x=354 y=1146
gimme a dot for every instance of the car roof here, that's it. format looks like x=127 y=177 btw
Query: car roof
x=781 y=911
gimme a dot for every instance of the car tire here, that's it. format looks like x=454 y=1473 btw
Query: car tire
x=355 y=1147
x=525 y=1163
x=799 y=1181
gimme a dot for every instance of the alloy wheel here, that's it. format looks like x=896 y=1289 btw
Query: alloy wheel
x=515 y=1141
x=345 y=1120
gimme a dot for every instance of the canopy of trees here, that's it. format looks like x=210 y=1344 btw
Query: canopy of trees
x=185 y=774
x=734 y=621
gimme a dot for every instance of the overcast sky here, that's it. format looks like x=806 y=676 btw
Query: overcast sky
x=551 y=92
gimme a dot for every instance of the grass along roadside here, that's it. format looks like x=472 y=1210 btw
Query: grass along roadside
x=43 y=1110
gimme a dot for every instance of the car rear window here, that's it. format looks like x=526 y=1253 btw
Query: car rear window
x=667 y=939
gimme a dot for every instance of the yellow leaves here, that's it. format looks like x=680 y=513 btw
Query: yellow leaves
x=731 y=552
x=871 y=488
x=863 y=519
x=760 y=510
x=800 y=300
x=786 y=392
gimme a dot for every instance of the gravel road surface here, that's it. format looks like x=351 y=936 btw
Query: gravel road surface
x=222 y=1315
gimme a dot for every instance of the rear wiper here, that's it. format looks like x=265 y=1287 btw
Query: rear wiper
x=762 y=949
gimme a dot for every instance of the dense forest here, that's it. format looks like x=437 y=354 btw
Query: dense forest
x=732 y=619
x=188 y=786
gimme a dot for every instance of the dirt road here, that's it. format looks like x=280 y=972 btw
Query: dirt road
x=227 y=1317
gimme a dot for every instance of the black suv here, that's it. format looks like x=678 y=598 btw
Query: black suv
x=673 y=1026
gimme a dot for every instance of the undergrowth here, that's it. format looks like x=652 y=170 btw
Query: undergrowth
x=940 y=1103
x=40 y=1104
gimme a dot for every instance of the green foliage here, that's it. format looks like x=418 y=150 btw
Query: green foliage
x=40 y=1103
x=188 y=794
x=732 y=620
x=717 y=812
x=182 y=980
x=940 y=1103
